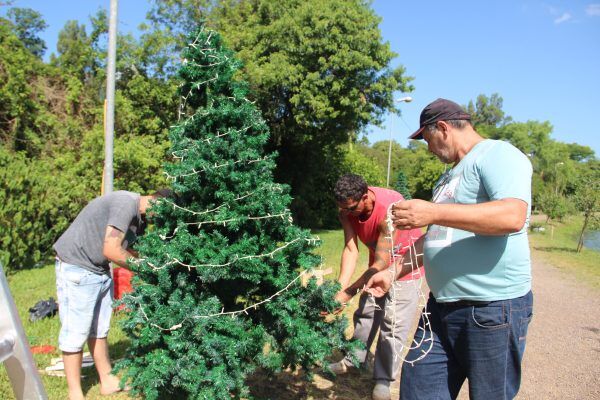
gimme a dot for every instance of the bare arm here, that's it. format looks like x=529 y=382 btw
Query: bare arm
x=498 y=217
x=113 y=247
x=380 y=283
x=349 y=254
x=381 y=262
x=411 y=260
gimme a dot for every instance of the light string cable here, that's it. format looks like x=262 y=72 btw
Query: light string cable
x=215 y=166
x=195 y=144
x=286 y=215
x=233 y=314
x=195 y=45
x=400 y=348
x=271 y=187
x=236 y=257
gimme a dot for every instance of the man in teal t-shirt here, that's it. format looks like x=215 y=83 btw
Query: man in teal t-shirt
x=476 y=254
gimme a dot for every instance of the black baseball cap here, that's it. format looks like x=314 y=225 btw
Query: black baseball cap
x=439 y=110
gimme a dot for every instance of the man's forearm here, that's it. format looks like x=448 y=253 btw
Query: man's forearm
x=361 y=281
x=120 y=257
x=347 y=267
x=411 y=260
x=498 y=217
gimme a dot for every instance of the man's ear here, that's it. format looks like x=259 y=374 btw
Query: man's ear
x=443 y=127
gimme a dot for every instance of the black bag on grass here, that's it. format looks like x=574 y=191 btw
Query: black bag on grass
x=43 y=309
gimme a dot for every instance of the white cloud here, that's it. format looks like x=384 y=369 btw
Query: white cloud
x=553 y=10
x=593 y=10
x=563 y=18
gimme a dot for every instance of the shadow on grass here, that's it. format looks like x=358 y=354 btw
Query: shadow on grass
x=553 y=249
x=118 y=349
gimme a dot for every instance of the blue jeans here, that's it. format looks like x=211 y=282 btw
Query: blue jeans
x=483 y=343
x=84 y=305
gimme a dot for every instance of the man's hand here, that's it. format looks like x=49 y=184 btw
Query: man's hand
x=380 y=283
x=342 y=297
x=410 y=214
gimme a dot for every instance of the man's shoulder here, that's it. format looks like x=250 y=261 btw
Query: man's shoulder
x=500 y=151
x=384 y=196
x=496 y=146
x=123 y=193
x=121 y=196
x=384 y=191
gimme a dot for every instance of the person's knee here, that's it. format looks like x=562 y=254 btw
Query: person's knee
x=72 y=342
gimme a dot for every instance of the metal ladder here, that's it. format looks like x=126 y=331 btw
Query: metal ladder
x=14 y=349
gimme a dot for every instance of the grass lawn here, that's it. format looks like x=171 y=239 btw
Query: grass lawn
x=32 y=285
x=559 y=249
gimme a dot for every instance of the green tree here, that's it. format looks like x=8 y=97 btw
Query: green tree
x=27 y=25
x=580 y=153
x=39 y=198
x=487 y=114
x=357 y=162
x=587 y=199
x=224 y=243
x=555 y=206
x=320 y=72
x=380 y=151
x=168 y=24
x=31 y=98
x=401 y=185
x=74 y=52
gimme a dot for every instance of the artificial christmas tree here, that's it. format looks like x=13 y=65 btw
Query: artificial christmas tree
x=217 y=290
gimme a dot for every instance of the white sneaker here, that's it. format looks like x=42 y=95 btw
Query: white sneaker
x=339 y=367
x=381 y=391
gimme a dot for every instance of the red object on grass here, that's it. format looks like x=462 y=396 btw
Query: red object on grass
x=43 y=349
x=122 y=283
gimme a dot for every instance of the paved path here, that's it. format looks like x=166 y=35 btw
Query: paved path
x=562 y=357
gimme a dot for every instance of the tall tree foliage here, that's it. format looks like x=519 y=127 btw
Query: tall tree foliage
x=28 y=24
x=224 y=243
x=320 y=72
x=401 y=185
x=487 y=112
x=587 y=199
x=420 y=167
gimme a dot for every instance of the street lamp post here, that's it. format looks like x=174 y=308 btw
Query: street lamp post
x=402 y=100
x=109 y=127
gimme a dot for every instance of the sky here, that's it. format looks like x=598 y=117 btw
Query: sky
x=541 y=57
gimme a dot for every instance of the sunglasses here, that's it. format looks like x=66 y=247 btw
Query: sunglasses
x=351 y=208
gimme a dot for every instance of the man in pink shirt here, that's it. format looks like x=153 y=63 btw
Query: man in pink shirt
x=363 y=213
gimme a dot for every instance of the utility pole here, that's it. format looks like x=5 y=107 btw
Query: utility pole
x=402 y=100
x=109 y=126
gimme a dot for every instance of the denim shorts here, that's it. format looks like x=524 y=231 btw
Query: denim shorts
x=84 y=305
